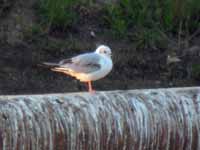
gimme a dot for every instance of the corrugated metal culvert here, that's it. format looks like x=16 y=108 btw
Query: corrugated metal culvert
x=160 y=119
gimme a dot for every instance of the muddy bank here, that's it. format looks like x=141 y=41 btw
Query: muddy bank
x=22 y=49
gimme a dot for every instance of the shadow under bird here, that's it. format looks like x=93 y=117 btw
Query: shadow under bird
x=86 y=67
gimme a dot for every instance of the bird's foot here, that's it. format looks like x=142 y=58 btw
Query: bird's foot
x=91 y=91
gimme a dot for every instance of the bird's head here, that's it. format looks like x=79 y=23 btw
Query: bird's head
x=104 y=50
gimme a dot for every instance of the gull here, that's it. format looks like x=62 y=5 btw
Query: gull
x=86 y=67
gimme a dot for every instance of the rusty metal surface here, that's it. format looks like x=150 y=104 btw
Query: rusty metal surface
x=160 y=119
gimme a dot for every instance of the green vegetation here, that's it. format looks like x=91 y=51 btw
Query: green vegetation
x=169 y=16
x=149 y=23
x=195 y=71
x=59 y=13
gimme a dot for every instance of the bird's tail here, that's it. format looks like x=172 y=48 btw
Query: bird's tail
x=48 y=65
x=54 y=67
x=57 y=68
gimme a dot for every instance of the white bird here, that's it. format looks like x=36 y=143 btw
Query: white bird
x=86 y=67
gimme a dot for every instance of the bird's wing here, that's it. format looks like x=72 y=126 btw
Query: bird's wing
x=85 y=63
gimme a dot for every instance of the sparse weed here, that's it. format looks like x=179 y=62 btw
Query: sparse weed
x=174 y=16
x=59 y=13
x=149 y=38
x=33 y=31
x=195 y=70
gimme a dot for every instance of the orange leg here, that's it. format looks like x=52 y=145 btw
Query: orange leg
x=90 y=87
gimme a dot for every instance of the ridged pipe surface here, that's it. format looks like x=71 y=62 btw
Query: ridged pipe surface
x=158 y=119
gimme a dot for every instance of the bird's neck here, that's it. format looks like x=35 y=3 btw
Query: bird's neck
x=105 y=56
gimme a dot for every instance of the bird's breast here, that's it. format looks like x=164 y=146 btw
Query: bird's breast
x=105 y=67
x=107 y=64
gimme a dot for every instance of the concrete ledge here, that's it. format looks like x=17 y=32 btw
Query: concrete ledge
x=154 y=119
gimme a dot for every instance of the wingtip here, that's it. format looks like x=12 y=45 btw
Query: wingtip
x=47 y=65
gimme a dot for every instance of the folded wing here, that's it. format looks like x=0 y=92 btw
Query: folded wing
x=86 y=63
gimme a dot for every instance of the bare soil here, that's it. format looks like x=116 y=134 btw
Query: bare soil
x=134 y=68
